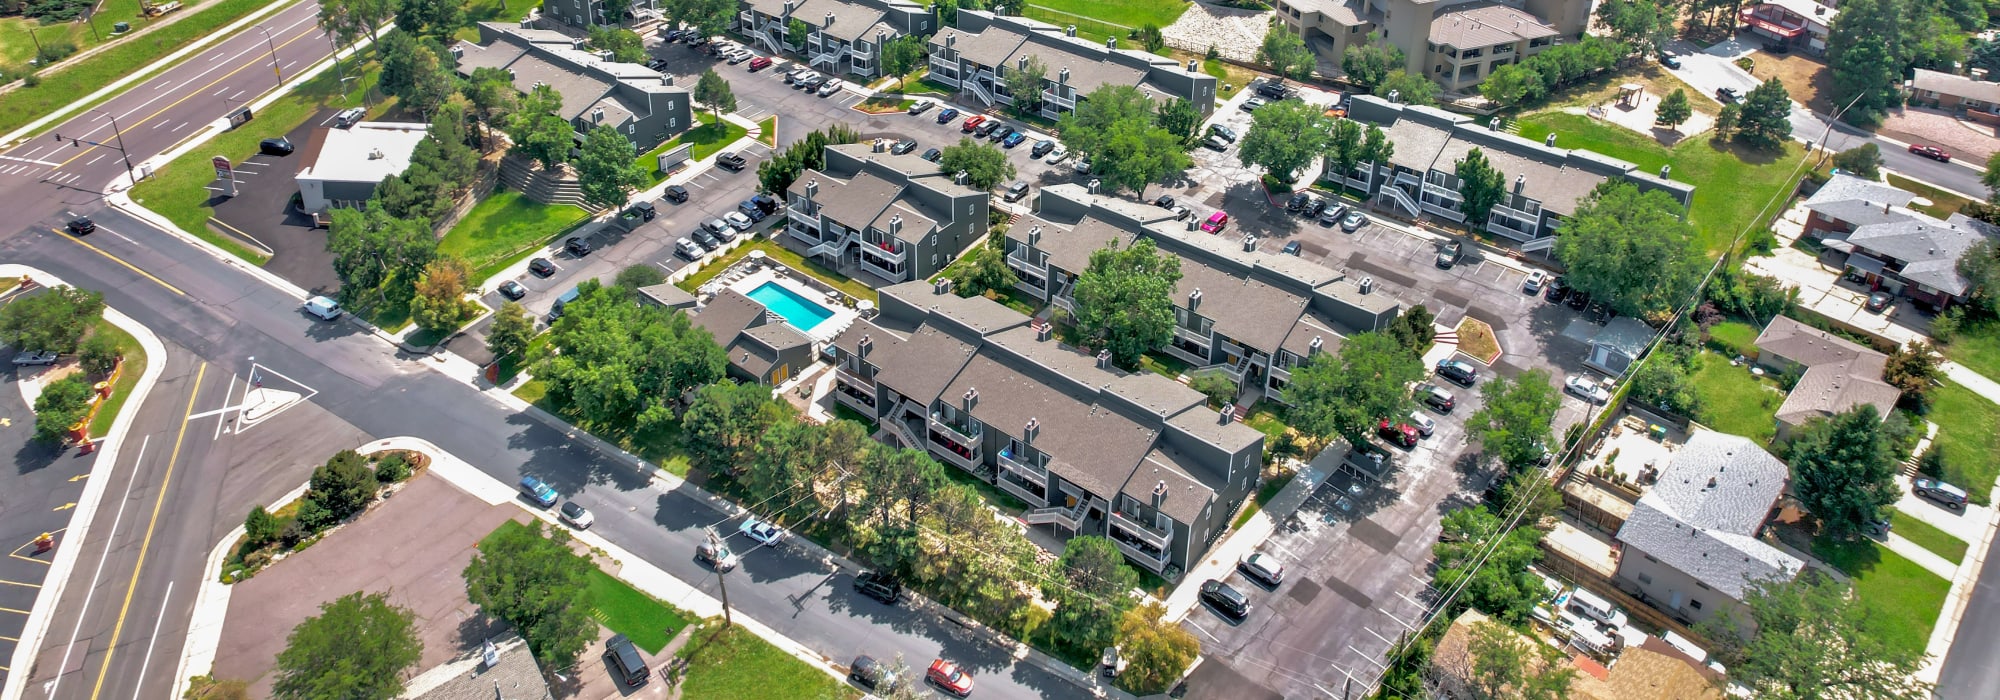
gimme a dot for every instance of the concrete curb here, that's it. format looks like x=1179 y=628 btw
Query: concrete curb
x=43 y=613
x=219 y=35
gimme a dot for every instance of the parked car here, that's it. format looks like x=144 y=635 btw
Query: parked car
x=1226 y=601
x=1931 y=152
x=1725 y=95
x=1215 y=143
x=829 y=87
x=793 y=76
x=971 y=124
x=760 y=63
x=1165 y=201
x=625 y=662
x=1556 y=291
x=736 y=56
x=687 y=249
x=738 y=221
x=538 y=491
x=323 y=308
x=880 y=586
x=933 y=155
x=575 y=515
x=1458 y=371
x=1436 y=397
x=1181 y=213
x=1251 y=105
x=1319 y=204
x=922 y=106
x=1273 y=89
x=903 y=146
x=1332 y=214
x=556 y=309
x=1586 y=389
x=1042 y=148
x=1353 y=221
x=577 y=246
x=275 y=146
x=812 y=82
x=1016 y=191
x=708 y=242
x=676 y=194
x=1262 y=568
x=1226 y=133
x=1536 y=279
x=1298 y=203
x=731 y=161
x=716 y=555
x=950 y=678
x=1944 y=494
x=1215 y=222
x=1424 y=425
x=81 y=225
x=1013 y=139
x=761 y=532
x=541 y=267
x=1292 y=248
x=33 y=358
x=871 y=674
x=1880 y=300
x=1449 y=254
x=947 y=115
x=1058 y=155
x=1082 y=166
x=643 y=210
x=1670 y=60
x=512 y=290
x=1399 y=434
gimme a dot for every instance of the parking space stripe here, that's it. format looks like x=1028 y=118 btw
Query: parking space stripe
x=11 y=610
x=18 y=583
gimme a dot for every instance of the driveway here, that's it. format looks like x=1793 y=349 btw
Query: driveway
x=262 y=210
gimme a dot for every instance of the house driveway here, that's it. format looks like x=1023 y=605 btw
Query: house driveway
x=1824 y=291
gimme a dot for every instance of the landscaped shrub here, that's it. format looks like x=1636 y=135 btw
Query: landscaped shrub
x=314 y=515
x=98 y=354
x=1932 y=463
x=1219 y=389
x=297 y=530
x=392 y=469
x=344 y=486
x=261 y=527
x=53 y=51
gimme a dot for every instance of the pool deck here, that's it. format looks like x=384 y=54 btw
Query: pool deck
x=827 y=330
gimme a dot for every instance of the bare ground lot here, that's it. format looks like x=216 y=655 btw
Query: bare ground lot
x=1805 y=77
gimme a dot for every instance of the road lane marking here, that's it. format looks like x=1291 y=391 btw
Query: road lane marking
x=156 y=638
x=26 y=160
x=146 y=542
x=116 y=259
x=50 y=687
x=11 y=610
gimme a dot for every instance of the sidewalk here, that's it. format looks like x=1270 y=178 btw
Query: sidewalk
x=1975 y=381
x=1923 y=557
x=1223 y=556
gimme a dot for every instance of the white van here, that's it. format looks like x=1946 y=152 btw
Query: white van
x=323 y=308
x=1592 y=606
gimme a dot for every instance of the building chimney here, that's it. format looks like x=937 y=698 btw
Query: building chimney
x=881 y=36
x=1028 y=433
x=1549 y=140
x=597 y=115
x=1367 y=285
x=1111 y=43
x=1043 y=330
x=1228 y=413
x=1022 y=64
x=950 y=39
x=895 y=225
x=1062 y=76
x=1520 y=183
x=829 y=19
x=1070 y=31
x=1194 y=298
x=971 y=398
x=1104 y=359
x=866 y=344
x=1159 y=492
x=960 y=178
x=1035 y=235
x=789 y=4
x=1313 y=348
x=812 y=188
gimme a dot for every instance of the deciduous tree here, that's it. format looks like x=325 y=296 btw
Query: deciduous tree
x=1409 y=88
x=1344 y=394
x=1866 y=52
x=1368 y=63
x=1843 y=469
x=902 y=56
x=436 y=19
x=985 y=269
x=1480 y=186
x=512 y=330
x=1631 y=249
x=1376 y=148
x=1915 y=369
x=344 y=485
x=538 y=130
x=1096 y=593
x=1490 y=577
x=1128 y=148
x=53 y=321
x=1284 y=137
x=62 y=403
x=1514 y=84
x=1286 y=53
x=624 y=44
x=1644 y=26
x=416 y=71
x=1503 y=664
x=797 y=32
x=1674 y=109
x=1156 y=651
x=1125 y=300
x=1864 y=161
x=984 y=166
x=1180 y=118
x=725 y=420
x=710 y=16
x=1023 y=82
x=1343 y=150
x=619 y=364
x=358 y=648
x=607 y=171
x=1810 y=639
x=378 y=257
x=531 y=578
x=1981 y=266
x=713 y=91
x=1516 y=421
x=440 y=305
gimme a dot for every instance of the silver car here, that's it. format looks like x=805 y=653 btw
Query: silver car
x=831 y=86
x=1353 y=221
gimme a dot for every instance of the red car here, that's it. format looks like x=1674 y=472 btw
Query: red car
x=759 y=63
x=971 y=123
x=950 y=677
x=1400 y=433
x=1931 y=152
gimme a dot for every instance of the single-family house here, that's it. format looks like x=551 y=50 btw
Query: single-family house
x=1835 y=374
x=1870 y=231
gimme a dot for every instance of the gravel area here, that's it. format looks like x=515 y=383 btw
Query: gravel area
x=1237 y=34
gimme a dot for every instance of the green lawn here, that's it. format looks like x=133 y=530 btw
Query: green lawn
x=730 y=663
x=1266 y=418
x=1264 y=495
x=707 y=138
x=503 y=11
x=1734 y=402
x=1731 y=183
x=1737 y=337
x=1977 y=346
x=1943 y=204
x=768 y=128
x=128 y=377
x=643 y=619
x=885 y=103
x=1902 y=599
x=17 y=47
x=790 y=259
x=1966 y=434
x=914 y=84
x=79 y=77
x=504 y=228
x=1163 y=365
x=1097 y=19
x=179 y=190
x=661 y=446
x=1938 y=541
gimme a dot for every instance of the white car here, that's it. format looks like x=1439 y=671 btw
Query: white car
x=577 y=516
x=738 y=221
x=1424 y=425
x=1059 y=155
x=831 y=86
x=1534 y=283
x=762 y=532
x=1586 y=389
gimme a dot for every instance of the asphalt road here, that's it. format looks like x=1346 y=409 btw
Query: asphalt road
x=1972 y=665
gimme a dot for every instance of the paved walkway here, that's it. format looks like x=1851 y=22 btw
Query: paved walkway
x=1923 y=557
x=1975 y=381
x=1223 y=556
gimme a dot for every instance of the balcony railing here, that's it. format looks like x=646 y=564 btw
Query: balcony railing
x=1021 y=488
x=1070 y=517
x=1146 y=533
x=1021 y=261
x=1499 y=227
x=1028 y=472
x=1050 y=97
x=969 y=435
x=1155 y=560
x=964 y=457
x=895 y=252
x=854 y=396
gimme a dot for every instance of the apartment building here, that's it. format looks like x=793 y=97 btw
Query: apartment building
x=1800 y=24
x=894 y=216
x=1870 y=231
x=845 y=36
x=975 y=55
x=1249 y=314
x=583 y=14
x=638 y=101
x=1453 y=42
x=1546 y=182
x=1137 y=458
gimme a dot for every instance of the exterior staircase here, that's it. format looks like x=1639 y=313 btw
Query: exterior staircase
x=833 y=247
x=1402 y=199
x=771 y=44
x=978 y=91
x=831 y=58
x=519 y=174
x=1069 y=517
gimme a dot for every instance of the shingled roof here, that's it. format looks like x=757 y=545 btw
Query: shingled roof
x=1703 y=515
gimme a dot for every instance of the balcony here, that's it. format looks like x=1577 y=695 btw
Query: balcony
x=1148 y=534
x=1035 y=495
x=1778 y=24
x=1049 y=97
x=1020 y=262
x=1499 y=226
x=966 y=456
x=969 y=434
x=944 y=71
x=1028 y=472
x=889 y=271
x=854 y=395
x=808 y=235
x=892 y=252
x=1155 y=559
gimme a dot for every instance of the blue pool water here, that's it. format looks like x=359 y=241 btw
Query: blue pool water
x=799 y=311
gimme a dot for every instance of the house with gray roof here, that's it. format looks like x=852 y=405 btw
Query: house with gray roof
x=1691 y=547
x=1954 y=92
x=1546 y=183
x=1869 y=229
x=1456 y=44
x=639 y=102
x=845 y=37
x=1835 y=374
x=343 y=166
x=503 y=669
x=975 y=55
x=1090 y=449
x=897 y=217
x=1247 y=313
x=761 y=346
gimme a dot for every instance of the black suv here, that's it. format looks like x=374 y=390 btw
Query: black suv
x=82 y=225
x=625 y=662
x=278 y=146
x=1229 y=602
x=1273 y=90
x=731 y=161
x=541 y=267
x=676 y=194
x=1458 y=371
x=903 y=146
x=879 y=586
x=577 y=246
x=1299 y=203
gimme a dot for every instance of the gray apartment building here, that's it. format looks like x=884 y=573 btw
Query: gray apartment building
x=1250 y=314
x=846 y=36
x=761 y=346
x=1545 y=182
x=974 y=55
x=895 y=216
x=1092 y=450
x=1691 y=547
x=582 y=14
x=1455 y=43
x=638 y=101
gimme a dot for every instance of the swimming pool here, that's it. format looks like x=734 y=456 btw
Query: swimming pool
x=798 y=311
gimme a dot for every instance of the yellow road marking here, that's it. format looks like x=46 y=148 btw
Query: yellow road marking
x=18 y=583
x=22 y=558
x=11 y=610
x=121 y=261
x=146 y=543
x=66 y=506
x=79 y=477
x=191 y=95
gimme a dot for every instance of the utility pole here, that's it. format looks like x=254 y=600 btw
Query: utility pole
x=721 y=576
x=273 y=44
x=120 y=134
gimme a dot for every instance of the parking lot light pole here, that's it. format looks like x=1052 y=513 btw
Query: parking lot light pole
x=273 y=44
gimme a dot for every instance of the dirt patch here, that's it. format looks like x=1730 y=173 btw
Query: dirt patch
x=1475 y=338
x=1605 y=87
x=1805 y=77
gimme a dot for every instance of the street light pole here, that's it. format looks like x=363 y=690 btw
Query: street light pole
x=273 y=44
x=122 y=152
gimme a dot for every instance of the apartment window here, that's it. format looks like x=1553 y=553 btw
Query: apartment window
x=1503 y=48
x=1538 y=43
x=631 y=129
x=1646 y=580
x=1475 y=53
x=1696 y=604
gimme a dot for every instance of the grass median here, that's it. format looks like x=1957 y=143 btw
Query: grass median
x=180 y=189
x=709 y=136
x=82 y=76
x=134 y=366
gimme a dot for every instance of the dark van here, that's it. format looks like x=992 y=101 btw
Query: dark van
x=625 y=662
x=556 y=311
